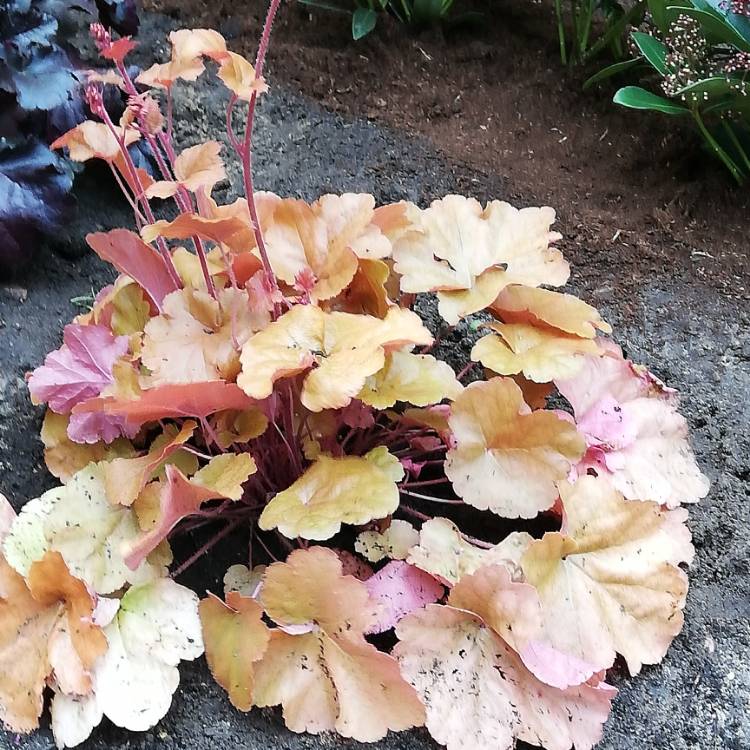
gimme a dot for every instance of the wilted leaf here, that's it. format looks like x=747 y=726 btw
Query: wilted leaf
x=334 y=491
x=124 y=478
x=239 y=77
x=94 y=140
x=545 y=308
x=609 y=582
x=445 y=554
x=235 y=638
x=197 y=167
x=180 y=497
x=507 y=458
x=330 y=677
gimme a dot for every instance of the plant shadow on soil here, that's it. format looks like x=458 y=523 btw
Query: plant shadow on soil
x=676 y=297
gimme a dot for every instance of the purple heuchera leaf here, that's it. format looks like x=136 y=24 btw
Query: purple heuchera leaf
x=80 y=369
x=91 y=427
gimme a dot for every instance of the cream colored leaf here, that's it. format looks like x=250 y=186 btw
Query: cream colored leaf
x=394 y=543
x=610 y=582
x=418 y=379
x=507 y=458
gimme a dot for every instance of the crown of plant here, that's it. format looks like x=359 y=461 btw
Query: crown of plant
x=256 y=374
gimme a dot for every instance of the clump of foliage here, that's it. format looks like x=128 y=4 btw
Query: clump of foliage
x=256 y=372
x=41 y=88
x=417 y=14
x=698 y=54
x=594 y=26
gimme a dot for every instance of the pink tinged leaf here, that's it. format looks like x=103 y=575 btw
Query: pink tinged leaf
x=400 y=589
x=553 y=667
x=607 y=424
x=95 y=426
x=357 y=415
x=172 y=402
x=79 y=369
x=414 y=468
x=179 y=498
x=130 y=255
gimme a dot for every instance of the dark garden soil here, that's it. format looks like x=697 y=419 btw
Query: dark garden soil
x=656 y=236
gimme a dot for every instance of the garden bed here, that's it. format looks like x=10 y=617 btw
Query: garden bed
x=674 y=285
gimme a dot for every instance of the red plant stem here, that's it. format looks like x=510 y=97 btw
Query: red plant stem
x=425 y=482
x=207 y=546
x=161 y=244
x=268 y=551
x=461 y=375
x=247 y=169
x=182 y=198
x=140 y=219
x=414 y=512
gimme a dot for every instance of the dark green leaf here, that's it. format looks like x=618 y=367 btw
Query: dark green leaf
x=612 y=70
x=707 y=90
x=658 y=9
x=635 y=97
x=363 y=22
x=652 y=49
x=714 y=26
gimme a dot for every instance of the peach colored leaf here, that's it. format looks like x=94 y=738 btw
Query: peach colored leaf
x=298 y=244
x=545 y=308
x=64 y=458
x=507 y=458
x=610 y=582
x=334 y=491
x=478 y=693
x=180 y=497
x=230 y=231
x=350 y=219
x=367 y=293
x=628 y=420
x=418 y=379
x=130 y=308
x=80 y=369
x=130 y=255
x=197 y=167
x=399 y=589
x=94 y=140
x=541 y=355
x=171 y=402
x=235 y=638
x=330 y=677
x=124 y=478
x=468 y=255
x=197 y=338
x=239 y=77
x=346 y=349
x=395 y=542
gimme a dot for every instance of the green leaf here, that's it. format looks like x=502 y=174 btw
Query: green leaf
x=363 y=22
x=635 y=97
x=714 y=26
x=658 y=9
x=428 y=12
x=653 y=50
x=612 y=70
x=709 y=89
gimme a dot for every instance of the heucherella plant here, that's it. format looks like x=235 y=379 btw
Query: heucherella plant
x=257 y=374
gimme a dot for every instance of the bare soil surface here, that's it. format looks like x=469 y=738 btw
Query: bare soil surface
x=673 y=282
